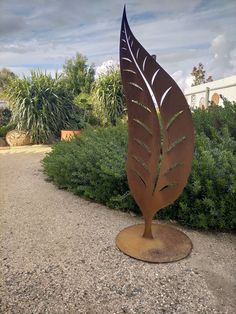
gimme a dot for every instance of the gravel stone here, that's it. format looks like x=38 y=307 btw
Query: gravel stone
x=58 y=254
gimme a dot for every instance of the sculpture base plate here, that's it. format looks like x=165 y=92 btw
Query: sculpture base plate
x=168 y=244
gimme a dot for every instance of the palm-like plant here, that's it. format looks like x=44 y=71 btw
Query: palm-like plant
x=109 y=96
x=40 y=105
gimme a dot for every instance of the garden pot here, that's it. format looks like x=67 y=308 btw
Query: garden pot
x=67 y=135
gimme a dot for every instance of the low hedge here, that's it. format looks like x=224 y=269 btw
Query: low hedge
x=4 y=129
x=93 y=166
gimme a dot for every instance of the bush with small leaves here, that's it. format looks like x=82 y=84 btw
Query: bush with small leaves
x=93 y=166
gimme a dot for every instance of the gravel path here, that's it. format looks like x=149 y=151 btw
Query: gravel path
x=59 y=255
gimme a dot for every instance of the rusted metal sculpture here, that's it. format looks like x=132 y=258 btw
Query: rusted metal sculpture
x=160 y=151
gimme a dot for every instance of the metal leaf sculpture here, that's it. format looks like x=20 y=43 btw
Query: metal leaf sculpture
x=160 y=150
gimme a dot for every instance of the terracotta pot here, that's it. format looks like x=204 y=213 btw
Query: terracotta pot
x=67 y=135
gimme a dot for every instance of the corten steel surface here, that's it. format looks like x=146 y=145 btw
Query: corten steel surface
x=168 y=244
x=160 y=147
x=215 y=99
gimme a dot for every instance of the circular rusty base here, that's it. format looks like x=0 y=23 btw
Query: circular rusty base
x=168 y=244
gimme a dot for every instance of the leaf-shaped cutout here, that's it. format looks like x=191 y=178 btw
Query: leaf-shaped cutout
x=148 y=89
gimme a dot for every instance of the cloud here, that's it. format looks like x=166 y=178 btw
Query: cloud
x=181 y=33
x=106 y=67
x=25 y=71
x=184 y=80
x=9 y=25
x=223 y=61
x=20 y=47
x=233 y=59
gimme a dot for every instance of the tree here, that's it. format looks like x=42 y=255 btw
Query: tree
x=84 y=103
x=79 y=76
x=199 y=75
x=5 y=76
x=109 y=97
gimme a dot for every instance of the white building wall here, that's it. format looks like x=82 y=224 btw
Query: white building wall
x=198 y=96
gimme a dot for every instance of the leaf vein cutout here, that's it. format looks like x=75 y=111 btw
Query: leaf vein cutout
x=139 y=176
x=175 y=143
x=171 y=121
x=174 y=166
x=154 y=76
x=142 y=124
x=141 y=162
x=129 y=70
x=144 y=61
x=143 y=145
x=141 y=105
x=164 y=95
x=140 y=71
x=171 y=185
x=127 y=59
x=135 y=85
x=137 y=53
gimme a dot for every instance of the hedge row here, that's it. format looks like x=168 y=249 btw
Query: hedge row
x=93 y=166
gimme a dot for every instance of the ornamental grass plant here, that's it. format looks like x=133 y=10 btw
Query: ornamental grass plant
x=41 y=105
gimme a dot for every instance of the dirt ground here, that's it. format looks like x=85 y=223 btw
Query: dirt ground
x=58 y=254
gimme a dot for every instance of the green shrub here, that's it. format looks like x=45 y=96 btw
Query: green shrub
x=78 y=75
x=84 y=103
x=94 y=167
x=208 y=201
x=5 y=116
x=41 y=106
x=4 y=129
x=216 y=118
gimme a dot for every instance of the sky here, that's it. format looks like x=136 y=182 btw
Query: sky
x=42 y=34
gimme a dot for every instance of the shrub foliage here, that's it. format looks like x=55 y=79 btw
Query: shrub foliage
x=94 y=166
x=5 y=124
x=78 y=75
x=5 y=116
